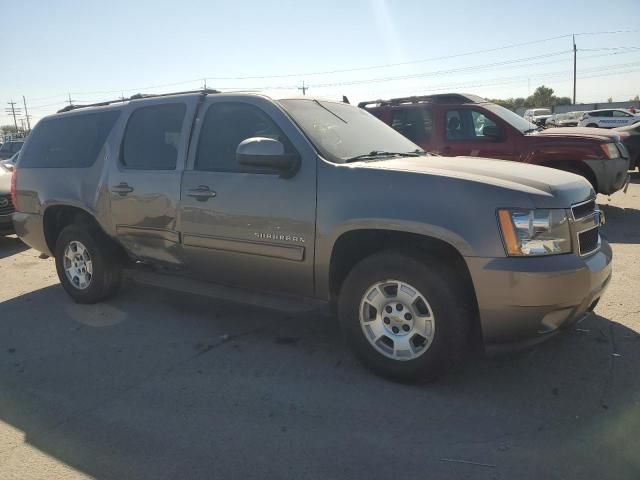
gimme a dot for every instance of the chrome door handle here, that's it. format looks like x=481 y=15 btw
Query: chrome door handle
x=202 y=193
x=122 y=189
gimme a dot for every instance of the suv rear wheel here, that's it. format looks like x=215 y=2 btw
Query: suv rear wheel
x=89 y=266
x=406 y=319
x=592 y=125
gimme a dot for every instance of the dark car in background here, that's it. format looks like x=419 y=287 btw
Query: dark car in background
x=630 y=136
x=8 y=149
x=466 y=125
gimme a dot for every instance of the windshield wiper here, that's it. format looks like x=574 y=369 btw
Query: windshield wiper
x=531 y=130
x=383 y=153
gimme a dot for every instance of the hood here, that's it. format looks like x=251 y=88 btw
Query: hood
x=547 y=187
x=5 y=181
x=598 y=134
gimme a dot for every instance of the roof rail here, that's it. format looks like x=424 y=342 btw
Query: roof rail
x=137 y=96
x=442 y=98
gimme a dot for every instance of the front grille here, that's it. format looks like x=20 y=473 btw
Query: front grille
x=584 y=209
x=589 y=241
x=6 y=207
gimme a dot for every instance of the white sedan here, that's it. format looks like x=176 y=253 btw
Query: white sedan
x=609 y=118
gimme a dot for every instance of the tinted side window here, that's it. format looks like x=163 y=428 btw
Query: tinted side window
x=68 y=142
x=16 y=146
x=467 y=124
x=605 y=113
x=225 y=126
x=480 y=120
x=152 y=137
x=618 y=113
x=413 y=123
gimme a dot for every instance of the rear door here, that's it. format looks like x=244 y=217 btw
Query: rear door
x=242 y=226
x=144 y=179
x=415 y=123
x=463 y=134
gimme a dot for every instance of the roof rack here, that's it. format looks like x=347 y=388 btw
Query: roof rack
x=442 y=98
x=137 y=96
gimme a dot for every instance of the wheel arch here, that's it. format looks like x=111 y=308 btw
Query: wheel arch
x=353 y=246
x=58 y=216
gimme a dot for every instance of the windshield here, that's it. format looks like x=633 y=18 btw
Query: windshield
x=512 y=118
x=341 y=131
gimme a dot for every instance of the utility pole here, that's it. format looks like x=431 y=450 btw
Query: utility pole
x=204 y=86
x=303 y=88
x=12 y=111
x=574 y=69
x=70 y=101
x=26 y=114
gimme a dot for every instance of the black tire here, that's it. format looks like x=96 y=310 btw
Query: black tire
x=592 y=125
x=106 y=262
x=450 y=302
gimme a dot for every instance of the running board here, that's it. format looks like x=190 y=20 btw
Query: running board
x=216 y=291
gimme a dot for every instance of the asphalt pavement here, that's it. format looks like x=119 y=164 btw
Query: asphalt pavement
x=160 y=385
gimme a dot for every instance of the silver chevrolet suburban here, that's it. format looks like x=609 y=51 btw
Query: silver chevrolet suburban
x=423 y=257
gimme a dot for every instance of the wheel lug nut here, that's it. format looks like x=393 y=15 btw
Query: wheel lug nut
x=395 y=329
x=399 y=307
x=388 y=309
x=406 y=328
x=407 y=316
x=386 y=320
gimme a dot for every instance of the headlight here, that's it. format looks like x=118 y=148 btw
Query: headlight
x=535 y=232
x=610 y=150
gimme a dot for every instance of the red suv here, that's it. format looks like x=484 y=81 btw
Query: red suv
x=467 y=125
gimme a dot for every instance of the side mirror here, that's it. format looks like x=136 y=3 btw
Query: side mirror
x=263 y=152
x=491 y=131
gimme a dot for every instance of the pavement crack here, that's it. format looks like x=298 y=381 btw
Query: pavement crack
x=612 y=357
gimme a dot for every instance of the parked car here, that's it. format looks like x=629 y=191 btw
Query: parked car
x=609 y=118
x=457 y=124
x=569 y=119
x=6 y=205
x=538 y=116
x=8 y=149
x=630 y=136
x=9 y=163
x=422 y=256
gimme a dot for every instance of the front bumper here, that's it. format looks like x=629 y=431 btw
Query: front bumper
x=526 y=300
x=611 y=175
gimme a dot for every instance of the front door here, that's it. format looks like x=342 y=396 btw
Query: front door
x=242 y=226
x=144 y=179
x=464 y=134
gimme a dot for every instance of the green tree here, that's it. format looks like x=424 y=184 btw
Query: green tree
x=8 y=128
x=542 y=97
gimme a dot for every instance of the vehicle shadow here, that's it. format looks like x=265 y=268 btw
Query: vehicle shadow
x=622 y=224
x=11 y=245
x=157 y=385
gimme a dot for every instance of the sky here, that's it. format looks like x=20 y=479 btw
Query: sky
x=364 y=49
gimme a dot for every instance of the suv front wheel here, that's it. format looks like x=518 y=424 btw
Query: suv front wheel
x=405 y=317
x=89 y=266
